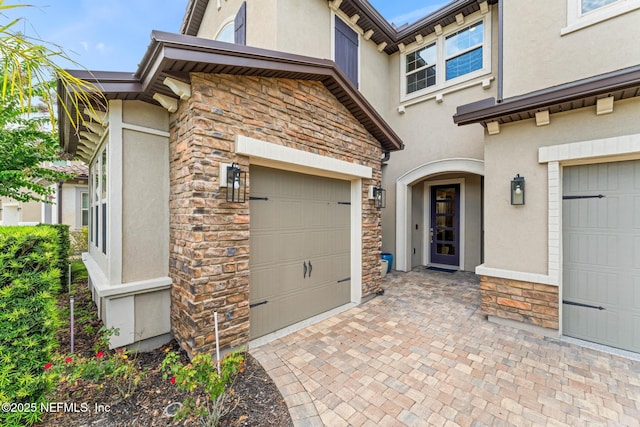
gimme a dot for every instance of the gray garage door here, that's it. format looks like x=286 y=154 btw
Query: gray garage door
x=300 y=247
x=601 y=253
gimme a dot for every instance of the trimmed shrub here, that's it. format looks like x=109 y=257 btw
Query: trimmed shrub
x=29 y=283
x=64 y=249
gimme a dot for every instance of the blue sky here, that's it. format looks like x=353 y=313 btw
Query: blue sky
x=114 y=34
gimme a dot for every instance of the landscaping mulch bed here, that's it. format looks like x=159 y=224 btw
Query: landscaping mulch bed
x=255 y=400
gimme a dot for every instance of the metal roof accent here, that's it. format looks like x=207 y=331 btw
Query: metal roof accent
x=175 y=56
x=620 y=84
x=369 y=19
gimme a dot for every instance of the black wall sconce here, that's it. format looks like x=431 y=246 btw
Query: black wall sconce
x=236 y=184
x=379 y=196
x=517 y=190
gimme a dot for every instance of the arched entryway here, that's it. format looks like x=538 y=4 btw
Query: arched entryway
x=440 y=183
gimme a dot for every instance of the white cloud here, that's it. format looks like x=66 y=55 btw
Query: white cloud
x=101 y=47
x=414 y=15
x=85 y=45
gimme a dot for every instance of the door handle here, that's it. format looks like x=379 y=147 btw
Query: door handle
x=310 y=268
x=431 y=235
x=304 y=269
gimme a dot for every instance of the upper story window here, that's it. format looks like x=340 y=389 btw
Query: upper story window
x=421 y=68
x=226 y=34
x=455 y=56
x=463 y=51
x=589 y=5
x=584 y=13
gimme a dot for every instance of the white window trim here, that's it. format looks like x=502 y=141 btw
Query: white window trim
x=576 y=20
x=440 y=40
x=230 y=20
x=88 y=208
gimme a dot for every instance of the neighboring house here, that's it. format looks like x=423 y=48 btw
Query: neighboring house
x=315 y=134
x=69 y=202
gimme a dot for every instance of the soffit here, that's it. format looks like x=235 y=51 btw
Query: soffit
x=370 y=19
x=620 y=84
x=175 y=55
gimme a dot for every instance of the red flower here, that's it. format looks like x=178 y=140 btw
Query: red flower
x=47 y=366
x=68 y=360
x=173 y=380
x=100 y=354
x=119 y=350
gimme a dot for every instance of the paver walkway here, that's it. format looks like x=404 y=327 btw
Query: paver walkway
x=423 y=354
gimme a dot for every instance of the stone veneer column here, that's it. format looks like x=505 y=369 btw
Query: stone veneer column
x=209 y=238
x=526 y=302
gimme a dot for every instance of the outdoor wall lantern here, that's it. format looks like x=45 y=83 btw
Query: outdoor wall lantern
x=517 y=190
x=236 y=184
x=379 y=196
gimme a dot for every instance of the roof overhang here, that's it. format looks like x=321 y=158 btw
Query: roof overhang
x=176 y=56
x=620 y=84
x=369 y=20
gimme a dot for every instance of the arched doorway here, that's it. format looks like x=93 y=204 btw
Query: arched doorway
x=439 y=197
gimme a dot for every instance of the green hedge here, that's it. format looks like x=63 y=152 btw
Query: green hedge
x=29 y=283
x=64 y=250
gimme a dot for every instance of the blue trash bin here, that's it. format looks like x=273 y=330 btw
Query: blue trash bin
x=389 y=258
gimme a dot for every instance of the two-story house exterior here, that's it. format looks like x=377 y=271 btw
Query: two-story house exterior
x=406 y=101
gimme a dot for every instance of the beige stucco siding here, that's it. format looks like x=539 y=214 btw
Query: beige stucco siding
x=261 y=21
x=304 y=27
x=537 y=56
x=145 y=200
x=429 y=135
x=516 y=237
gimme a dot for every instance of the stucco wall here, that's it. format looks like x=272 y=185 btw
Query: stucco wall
x=145 y=196
x=429 y=133
x=261 y=21
x=209 y=246
x=145 y=199
x=537 y=56
x=516 y=236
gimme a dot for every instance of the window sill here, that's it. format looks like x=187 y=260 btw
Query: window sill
x=438 y=95
x=597 y=16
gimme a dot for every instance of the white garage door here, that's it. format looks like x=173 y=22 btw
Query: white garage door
x=300 y=247
x=601 y=253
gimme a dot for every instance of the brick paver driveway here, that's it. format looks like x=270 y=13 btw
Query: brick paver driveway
x=423 y=354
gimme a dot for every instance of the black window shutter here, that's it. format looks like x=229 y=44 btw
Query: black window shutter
x=346 y=50
x=240 y=25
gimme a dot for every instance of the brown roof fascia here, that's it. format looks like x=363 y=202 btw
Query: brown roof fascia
x=383 y=30
x=487 y=110
x=168 y=50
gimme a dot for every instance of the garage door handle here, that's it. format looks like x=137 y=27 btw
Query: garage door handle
x=310 y=268
x=304 y=269
x=579 y=304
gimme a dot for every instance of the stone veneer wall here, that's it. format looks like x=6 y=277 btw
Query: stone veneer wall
x=525 y=302
x=209 y=238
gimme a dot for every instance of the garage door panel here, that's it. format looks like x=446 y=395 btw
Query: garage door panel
x=307 y=227
x=601 y=253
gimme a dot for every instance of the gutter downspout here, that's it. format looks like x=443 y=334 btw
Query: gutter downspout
x=387 y=156
x=59 y=202
x=500 y=55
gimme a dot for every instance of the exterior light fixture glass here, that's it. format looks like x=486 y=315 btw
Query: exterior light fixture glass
x=379 y=197
x=517 y=190
x=236 y=184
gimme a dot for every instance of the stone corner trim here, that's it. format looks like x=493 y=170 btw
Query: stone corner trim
x=527 y=302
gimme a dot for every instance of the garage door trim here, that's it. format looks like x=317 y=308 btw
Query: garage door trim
x=264 y=153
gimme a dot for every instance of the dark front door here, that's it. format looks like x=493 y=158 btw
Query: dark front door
x=445 y=225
